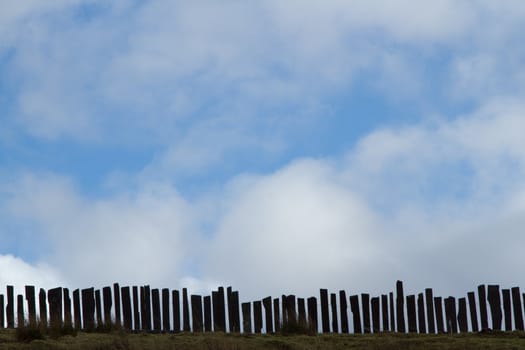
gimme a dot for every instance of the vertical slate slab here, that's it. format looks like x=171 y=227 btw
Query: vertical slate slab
x=143 y=308
x=186 y=311
x=462 y=315
x=196 y=313
x=518 y=310
x=313 y=324
x=291 y=315
x=116 y=293
x=165 y=309
x=147 y=308
x=68 y=320
x=88 y=309
x=375 y=314
x=235 y=321
x=136 y=309
x=284 y=308
x=267 y=304
x=421 y=314
x=400 y=307
x=276 y=316
x=108 y=303
x=42 y=303
x=175 y=299
x=54 y=297
x=356 y=316
x=365 y=306
x=507 y=309
x=126 y=307
x=343 y=311
x=31 y=304
x=450 y=315
x=473 y=313
x=482 y=295
x=411 y=313
x=222 y=313
x=10 y=308
x=429 y=298
x=229 y=324
x=325 y=318
x=246 y=318
x=207 y=314
x=98 y=308
x=384 y=312
x=392 y=312
x=155 y=302
x=333 y=302
x=257 y=317
x=76 y=309
x=20 y=310
x=494 y=299
x=301 y=311
x=438 y=308
x=2 y=305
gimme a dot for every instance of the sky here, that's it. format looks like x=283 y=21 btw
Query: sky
x=275 y=146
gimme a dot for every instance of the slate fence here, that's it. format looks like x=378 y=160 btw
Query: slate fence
x=143 y=309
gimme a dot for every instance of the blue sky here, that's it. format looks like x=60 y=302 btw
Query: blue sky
x=349 y=138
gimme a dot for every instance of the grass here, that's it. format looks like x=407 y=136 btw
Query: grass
x=124 y=341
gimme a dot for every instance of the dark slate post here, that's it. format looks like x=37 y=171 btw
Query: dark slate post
x=165 y=309
x=175 y=299
x=42 y=303
x=229 y=324
x=365 y=305
x=10 y=309
x=222 y=313
x=246 y=317
x=411 y=313
x=54 y=297
x=136 y=309
x=267 y=303
x=290 y=309
x=76 y=309
x=473 y=313
x=438 y=306
x=285 y=312
x=147 y=308
x=333 y=302
x=375 y=314
x=450 y=315
x=482 y=295
x=400 y=307
x=67 y=309
x=2 y=304
x=196 y=313
x=301 y=311
x=143 y=310
x=312 y=315
x=106 y=298
x=462 y=315
x=116 y=293
x=31 y=305
x=98 y=308
x=20 y=310
x=506 y=309
x=429 y=298
x=516 y=306
x=276 y=317
x=325 y=318
x=207 y=314
x=495 y=306
x=356 y=316
x=235 y=321
x=185 y=311
x=343 y=311
x=88 y=309
x=126 y=307
x=257 y=316
x=155 y=301
x=392 y=312
x=384 y=312
x=421 y=313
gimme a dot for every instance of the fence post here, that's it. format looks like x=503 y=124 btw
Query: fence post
x=312 y=314
x=165 y=309
x=54 y=297
x=462 y=315
x=506 y=309
x=400 y=307
x=98 y=307
x=375 y=314
x=333 y=302
x=108 y=303
x=185 y=311
x=88 y=308
x=482 y=295
x=20 y=310
x=257 y=317
x=518 y=311
x=411 y=313
x=196 y=313
x=31 y=305
x=10 y=309
x=276 y=316
x=246 y=318
x=116 y=293
x=126 y=307
x=235 y=320
x=343 y=306
x=473 y=313
x=290 y=309
x=222 y=312
x=2 y=305
x=495 y=306
x=136 y=309
x=267 y=304
x=438 y=306
x=392 y=312
x=356 y=316
x=384 y=312
x=450 y=314
x=76 y=309
x=175 y=299
x=421 y=313
x=325 y=318
x=365 y=306
x=155 y=303
x=67 y=309
x=207 y=314
x=429 y=298
x=301 y=311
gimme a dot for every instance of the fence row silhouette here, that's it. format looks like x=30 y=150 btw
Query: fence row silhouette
x=143 y=309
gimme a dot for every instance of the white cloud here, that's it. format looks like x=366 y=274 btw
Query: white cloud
x=18 y=273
